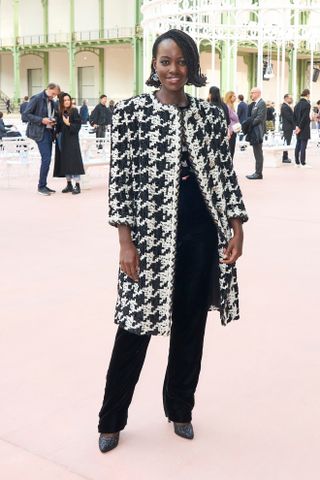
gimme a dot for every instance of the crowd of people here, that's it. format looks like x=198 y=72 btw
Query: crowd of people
x=53 y=116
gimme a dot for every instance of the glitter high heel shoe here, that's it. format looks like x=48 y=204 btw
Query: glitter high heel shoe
x=107 y=443
x=184 y=430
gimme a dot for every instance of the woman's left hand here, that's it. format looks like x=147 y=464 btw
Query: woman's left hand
x=234 y=249
x=66 y=120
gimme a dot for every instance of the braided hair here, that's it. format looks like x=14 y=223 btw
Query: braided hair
x=190 y=53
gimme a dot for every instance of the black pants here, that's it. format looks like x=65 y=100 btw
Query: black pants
x=300 y=151
x=258 y=155
x=232 y=143
x=287 y=134
x=196 y=282
x=101 y=131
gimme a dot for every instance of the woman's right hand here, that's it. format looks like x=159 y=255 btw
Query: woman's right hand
x=129 y=260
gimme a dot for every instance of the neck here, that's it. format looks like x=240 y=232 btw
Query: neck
x=172 y=98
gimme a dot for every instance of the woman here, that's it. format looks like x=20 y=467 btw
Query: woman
x=175 y=201
x=234 y=125
x=68 y=160
x=214 y=98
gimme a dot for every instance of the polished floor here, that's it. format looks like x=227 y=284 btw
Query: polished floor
x=257 y=411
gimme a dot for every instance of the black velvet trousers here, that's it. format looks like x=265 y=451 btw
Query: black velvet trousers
x=196 y=287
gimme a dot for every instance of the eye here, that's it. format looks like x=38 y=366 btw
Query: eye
x=183 y=62
x=164 y=62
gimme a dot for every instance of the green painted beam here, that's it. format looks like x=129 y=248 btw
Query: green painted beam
x=72 y=53
x=45 y=13
x=16 y=4
x=101 y=71
x=138 y=50
x=45 y=69
x=101 y=18
x=16 y=75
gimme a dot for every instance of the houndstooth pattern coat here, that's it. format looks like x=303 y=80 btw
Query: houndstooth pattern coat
x=143 y=193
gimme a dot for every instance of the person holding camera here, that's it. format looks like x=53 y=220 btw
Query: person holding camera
x=40 y=115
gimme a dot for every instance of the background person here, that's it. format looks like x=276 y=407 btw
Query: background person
x=288 y=124
x=234 y=126
x=100 y=117
x=68 y=159
x=302 y=122
x=84 y=112
x=3 y=130
x=257 y=120
x=24 y=105
x=40 y=115
x=242 y=109
x=214 y=98
x=169 y=243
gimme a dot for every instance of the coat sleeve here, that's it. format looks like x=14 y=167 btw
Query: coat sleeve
x=75 y=122
x=121 y=199
x=29 y=113
x=232 y=192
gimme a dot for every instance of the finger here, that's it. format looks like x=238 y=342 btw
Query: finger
x=232 y=258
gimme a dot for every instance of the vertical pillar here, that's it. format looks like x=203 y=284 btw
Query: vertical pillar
x=72 y=53
x=101 y=18
x=250 y=59
x=101 y=71
x=16 y=52
x=16 y=74
x=45 y=69
x=45 y=20
x=138 y=50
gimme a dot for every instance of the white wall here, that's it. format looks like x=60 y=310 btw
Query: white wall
x=6 y=19
x=59 y=68
x=6 y=74
x=86 y=15
x=89 y=59
x=119 y=71
x=28 y=61
x=31 y=18
x=119 y=13
x=59 y=17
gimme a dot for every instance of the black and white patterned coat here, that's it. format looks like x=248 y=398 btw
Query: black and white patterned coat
x=143 y=193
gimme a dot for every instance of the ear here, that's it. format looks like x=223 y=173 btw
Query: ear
x=154 y=63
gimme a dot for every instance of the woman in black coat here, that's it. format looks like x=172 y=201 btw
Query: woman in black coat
x=68 y=160
x=178 y=209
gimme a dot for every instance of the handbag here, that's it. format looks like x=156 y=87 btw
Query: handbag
x=236 y=127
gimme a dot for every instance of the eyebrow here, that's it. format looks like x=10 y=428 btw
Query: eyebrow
x=167 y=56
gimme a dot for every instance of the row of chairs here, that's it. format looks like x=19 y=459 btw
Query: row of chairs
x=22 y=152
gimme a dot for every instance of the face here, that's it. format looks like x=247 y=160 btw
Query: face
x=53 y=92
x=233 y=98
x=289 y=100
x=171 y=66
x=66 y=102
x=254 y=94
x=74 y=103
x=103 y=101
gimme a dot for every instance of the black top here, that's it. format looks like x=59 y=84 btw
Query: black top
x=192 y=209
x=101 y=115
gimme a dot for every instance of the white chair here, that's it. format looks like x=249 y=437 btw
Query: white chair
x=16 y=152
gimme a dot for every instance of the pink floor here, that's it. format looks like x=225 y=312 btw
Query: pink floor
x=257 y=412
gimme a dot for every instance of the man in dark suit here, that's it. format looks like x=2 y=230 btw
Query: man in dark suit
x=242 y=110
x=257 y=120
x=288 y=124
x=302 y=121
x=40 y=115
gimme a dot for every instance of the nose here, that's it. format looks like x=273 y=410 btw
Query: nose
x=174 y=68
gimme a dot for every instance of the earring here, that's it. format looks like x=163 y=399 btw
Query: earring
x=155 y=77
